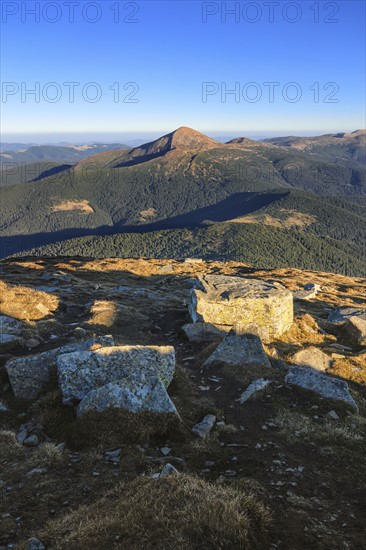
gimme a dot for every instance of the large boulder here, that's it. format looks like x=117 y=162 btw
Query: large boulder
x=29 y=375
x=247 y=305
x=239 y=351
x=81 y=372
x=322 y=384
x=136 y=393
x=355 y=328
x=313 y=358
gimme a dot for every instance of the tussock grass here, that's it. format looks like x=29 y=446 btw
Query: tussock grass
x=327 y=431
x=10 y=449
x=47 y=455
x=174 y=512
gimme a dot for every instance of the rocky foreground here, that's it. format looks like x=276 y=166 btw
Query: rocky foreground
x=180 y=404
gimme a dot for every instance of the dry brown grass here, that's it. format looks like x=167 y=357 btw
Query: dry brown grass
x=174 y=512
x=82 y=205
x=25 y=303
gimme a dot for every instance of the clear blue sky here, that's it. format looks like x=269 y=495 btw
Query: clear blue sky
x=169 y=52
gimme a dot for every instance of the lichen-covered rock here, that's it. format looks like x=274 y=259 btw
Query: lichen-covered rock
x=239 y=351
x=81 y=372
x=355 y=328
x=136 y=393
x=247 y=305
x=313 y=358
x=322 y=384
x=204 y=332
x=28 y=375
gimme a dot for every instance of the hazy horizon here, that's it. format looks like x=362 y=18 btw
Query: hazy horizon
x=59 y=138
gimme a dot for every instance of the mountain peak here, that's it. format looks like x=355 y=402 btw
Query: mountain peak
x=187 y=138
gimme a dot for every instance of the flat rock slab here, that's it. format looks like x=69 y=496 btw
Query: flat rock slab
x=81 y=372
x=313 y=358
x=322 y=384
x=342 y=314
x=28 y=375
x=239 y=351
x=253 y=388
x=204 y=332
x=355 y=328
x=136 y=393
x=247 y=305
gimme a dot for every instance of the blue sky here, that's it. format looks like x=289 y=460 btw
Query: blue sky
x=181 y=58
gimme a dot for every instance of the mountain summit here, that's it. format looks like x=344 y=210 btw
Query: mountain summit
x=183 y=140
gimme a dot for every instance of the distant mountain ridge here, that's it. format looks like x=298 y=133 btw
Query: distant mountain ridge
x=185 y=179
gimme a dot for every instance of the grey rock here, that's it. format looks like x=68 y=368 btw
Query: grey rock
x=9 y=325
x=355 y=328
x=342 y=314
x=28 y=375
x=113 y=453
x=253 y=388
x=165 y=451
x=35 y=544
x=168 y=470
x=22 y=435
x=310 y=291
x=31 y=441
x=313 y=358
x=81 y=372
x=246 y=305
x=36 y=471
x=203 y=428
x=239 y=350
x=9 y=342
x=3 y=407
x=136 y=393
x=332 y=415
x=322 y=384
x=204 y=332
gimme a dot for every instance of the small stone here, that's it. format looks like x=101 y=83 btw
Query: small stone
x=35 y=544
x=203 y=428
x=113 y=453
x=253 y=388
x=165 y=451
x=332 y=415
x=36 y=471
x=209 y=463
x=22 y=435
x=31 y=441
x=31 y=343
x=3 y=407
x=168 y=470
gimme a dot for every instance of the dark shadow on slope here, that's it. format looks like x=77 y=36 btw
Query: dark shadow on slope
x=53 y=171
x=236 y=205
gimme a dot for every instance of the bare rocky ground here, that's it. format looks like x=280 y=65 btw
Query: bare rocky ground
x=301 y=456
